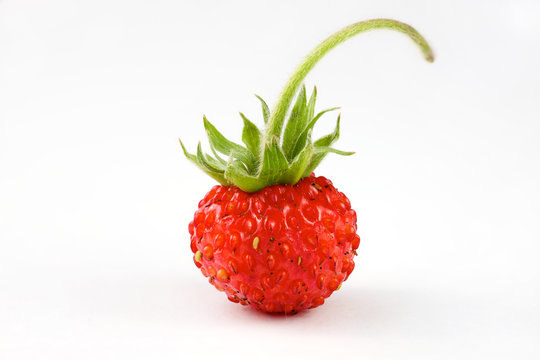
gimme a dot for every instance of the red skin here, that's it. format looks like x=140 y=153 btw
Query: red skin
x=305 y=249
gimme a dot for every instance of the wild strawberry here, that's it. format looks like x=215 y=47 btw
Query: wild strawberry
x=278 y=255
x=272 y=235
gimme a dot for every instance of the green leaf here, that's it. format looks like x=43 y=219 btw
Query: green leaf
x=326 y=149
x=311 y=104
x=237 y=175
x=298 y=166
x=214 y=175
x=265 y=109
x=274 y=162
x=301 y=141
x=226 y=147
x=209 y=163
x=186 y=153
x=223 y=162
x=220 y=142
x=322 y=148
x=251 y=136
x=295 y=124
x=329 y=139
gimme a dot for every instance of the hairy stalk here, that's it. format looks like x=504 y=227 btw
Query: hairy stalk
x=277 y=117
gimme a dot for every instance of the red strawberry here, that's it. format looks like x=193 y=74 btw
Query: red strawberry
x=282 y=249
x=272 y=235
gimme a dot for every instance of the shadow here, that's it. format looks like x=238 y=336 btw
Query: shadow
x=359 y=307
x=185 y=301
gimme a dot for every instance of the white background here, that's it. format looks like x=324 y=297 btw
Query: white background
x=95 y=196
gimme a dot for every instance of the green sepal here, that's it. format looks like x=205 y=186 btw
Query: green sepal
x=274 y=162
x=208 y=162
x=237 y=175
x=327 y=149
x=301 y=141
x=329 y=139
x=251 y=136
x=219 y=177
x=322 y=148
x=227 y=147
x=298 y=166
x=311 y=105
x=191 y=157
x=265 y=109
x=223 y=162
x=295 y=124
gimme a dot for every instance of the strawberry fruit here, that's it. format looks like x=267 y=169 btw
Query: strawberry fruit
x=273 y=235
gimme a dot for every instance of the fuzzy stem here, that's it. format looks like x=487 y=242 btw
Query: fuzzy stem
x=277 y=118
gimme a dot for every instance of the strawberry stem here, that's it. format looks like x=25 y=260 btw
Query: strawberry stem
x=275 y=124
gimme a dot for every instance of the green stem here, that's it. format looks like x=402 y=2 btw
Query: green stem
x=277 y=118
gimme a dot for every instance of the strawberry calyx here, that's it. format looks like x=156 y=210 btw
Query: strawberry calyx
x=284 y=156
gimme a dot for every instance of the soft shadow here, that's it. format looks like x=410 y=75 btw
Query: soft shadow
x=177 y=301
x=359 y=308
